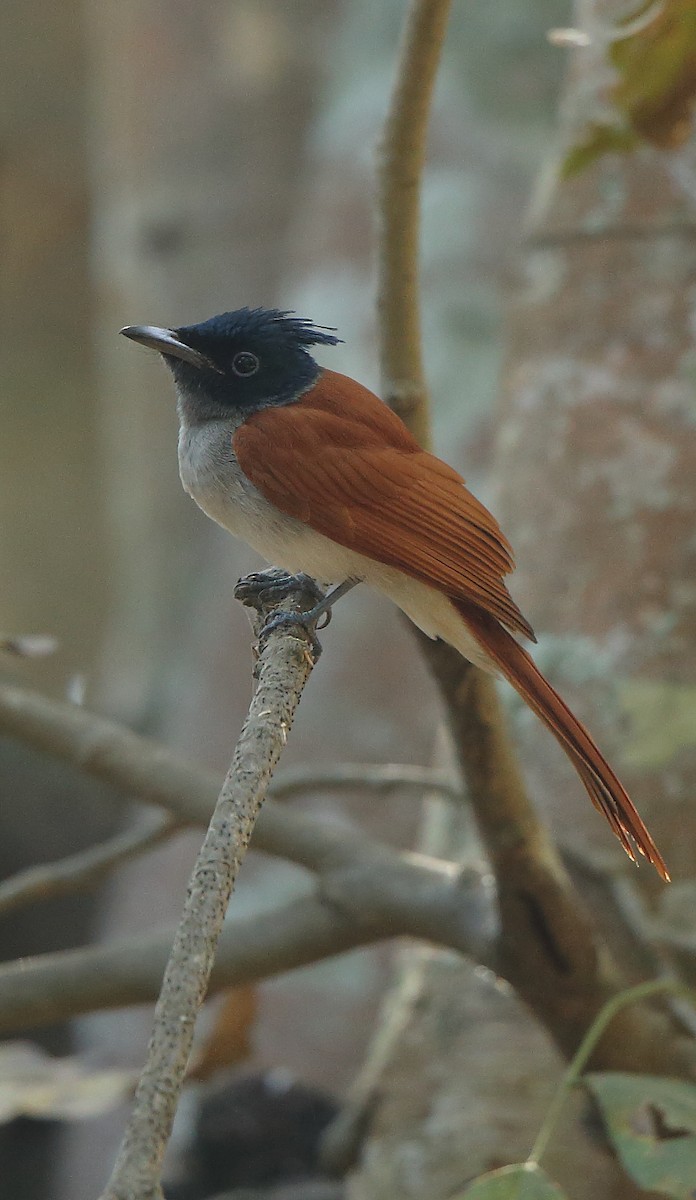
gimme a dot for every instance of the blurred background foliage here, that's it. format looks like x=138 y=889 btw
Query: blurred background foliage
x=163 y=161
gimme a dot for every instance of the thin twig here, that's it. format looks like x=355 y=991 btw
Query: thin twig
x=401 y=160
x=85 y=869
x=283 y=668
x=572 y=1075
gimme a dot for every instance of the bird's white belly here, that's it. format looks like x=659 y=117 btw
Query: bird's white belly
x=212 y=476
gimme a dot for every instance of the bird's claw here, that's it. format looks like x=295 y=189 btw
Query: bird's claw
x=305 y=620
x=324 y=619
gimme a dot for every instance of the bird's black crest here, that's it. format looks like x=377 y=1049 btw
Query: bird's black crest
x=266 y=323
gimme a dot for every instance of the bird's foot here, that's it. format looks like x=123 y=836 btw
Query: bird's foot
x=263 y=588
x=290 y=621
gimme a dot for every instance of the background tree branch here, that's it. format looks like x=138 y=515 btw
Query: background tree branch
x=85 y=869
x=88 y=868
x=145 y=769
x=363 y=881
x=401 y=161
x=430 y=901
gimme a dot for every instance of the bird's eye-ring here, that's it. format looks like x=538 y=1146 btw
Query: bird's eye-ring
x=245 y=363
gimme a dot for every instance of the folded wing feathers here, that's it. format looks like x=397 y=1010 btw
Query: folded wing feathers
x=359 y=478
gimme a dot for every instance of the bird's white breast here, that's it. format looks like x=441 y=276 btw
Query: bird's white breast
x=211 y=474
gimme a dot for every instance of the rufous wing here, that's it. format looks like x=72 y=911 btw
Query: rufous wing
x=346 y=465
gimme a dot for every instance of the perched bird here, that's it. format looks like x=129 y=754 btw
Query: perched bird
x=319 y=476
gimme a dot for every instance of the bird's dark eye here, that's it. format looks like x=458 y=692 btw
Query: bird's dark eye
x=245 y=363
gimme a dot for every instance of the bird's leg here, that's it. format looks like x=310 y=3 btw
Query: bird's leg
x=324 y=606
x=274 y=584
x=309 y=617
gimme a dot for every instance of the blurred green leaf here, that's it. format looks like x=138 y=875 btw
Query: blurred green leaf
x=657 y=75
x=652 y=1123
x=662 y=721
x=601 y=139
x=655 y=90
x=520 y=1182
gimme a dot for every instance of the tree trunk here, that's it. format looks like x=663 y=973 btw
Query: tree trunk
x=598 y=468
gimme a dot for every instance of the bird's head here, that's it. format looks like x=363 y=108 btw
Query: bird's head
x=243 y=360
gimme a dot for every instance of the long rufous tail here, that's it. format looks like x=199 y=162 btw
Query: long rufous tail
x=605 y=790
